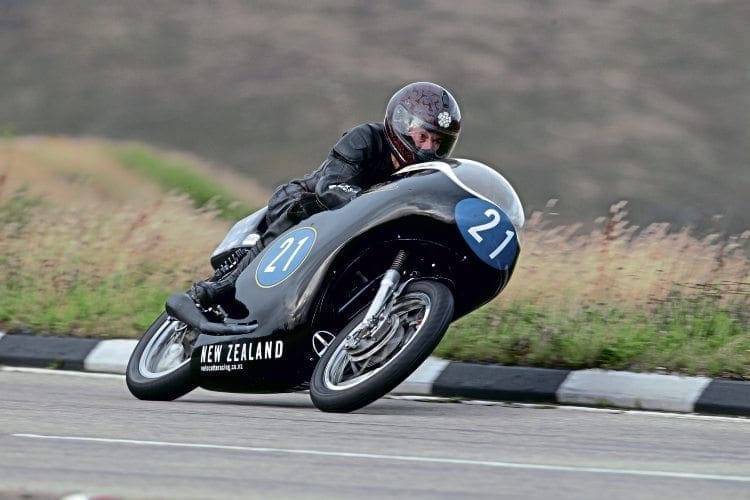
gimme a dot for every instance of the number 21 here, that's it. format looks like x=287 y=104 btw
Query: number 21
x=495 y=220
x=286 y=245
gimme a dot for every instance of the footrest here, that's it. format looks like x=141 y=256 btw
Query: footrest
x=182 y=307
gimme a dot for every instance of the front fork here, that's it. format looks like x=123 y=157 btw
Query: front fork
x=381 y=305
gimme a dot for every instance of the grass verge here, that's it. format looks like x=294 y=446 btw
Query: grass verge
x=617 y=297
x=94 y=273
x=689 y=335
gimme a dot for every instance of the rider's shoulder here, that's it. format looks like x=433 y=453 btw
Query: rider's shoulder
x=363 y=136
x=365 y=130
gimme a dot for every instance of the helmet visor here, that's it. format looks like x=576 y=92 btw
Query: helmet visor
x=421 y=136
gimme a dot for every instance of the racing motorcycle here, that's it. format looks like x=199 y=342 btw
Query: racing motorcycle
x=347 y=303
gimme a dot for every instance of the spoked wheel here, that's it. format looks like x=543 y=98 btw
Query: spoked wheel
x=348 y=377
x=159 y=368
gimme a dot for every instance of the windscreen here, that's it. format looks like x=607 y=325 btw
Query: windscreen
x=481 y=181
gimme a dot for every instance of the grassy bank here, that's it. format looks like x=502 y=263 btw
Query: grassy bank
x=78 y=256
x=94 y=235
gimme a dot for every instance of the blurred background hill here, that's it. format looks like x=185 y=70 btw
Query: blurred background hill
x=586 y=101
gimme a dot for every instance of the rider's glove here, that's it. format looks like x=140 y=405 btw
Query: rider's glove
x=304 y=206
x=336 y=195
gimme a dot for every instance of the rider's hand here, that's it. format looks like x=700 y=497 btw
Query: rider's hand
x=306 y=205
x=338 y=194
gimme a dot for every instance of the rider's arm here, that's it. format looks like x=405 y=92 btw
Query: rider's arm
x=342 y=172
x=335 y=188
x=340 y=176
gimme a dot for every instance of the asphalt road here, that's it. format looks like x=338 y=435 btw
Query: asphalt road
x=63 y=433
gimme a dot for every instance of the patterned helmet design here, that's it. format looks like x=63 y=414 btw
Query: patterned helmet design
x=422 y=106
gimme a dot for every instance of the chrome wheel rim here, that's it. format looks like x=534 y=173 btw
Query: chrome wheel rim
x=167 y=351
x=408 y=314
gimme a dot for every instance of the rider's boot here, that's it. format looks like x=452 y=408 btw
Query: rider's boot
x=209 y=292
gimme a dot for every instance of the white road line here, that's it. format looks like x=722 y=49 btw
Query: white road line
x=555 y=406
x=70 y=373
x=402 y=458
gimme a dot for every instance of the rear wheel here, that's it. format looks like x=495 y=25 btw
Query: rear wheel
x=347 y=378
x=159 y=368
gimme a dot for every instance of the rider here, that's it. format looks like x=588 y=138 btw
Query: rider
x=422 y=123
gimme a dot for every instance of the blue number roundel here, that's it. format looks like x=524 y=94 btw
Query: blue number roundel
x=488 y=232
x=285 y=256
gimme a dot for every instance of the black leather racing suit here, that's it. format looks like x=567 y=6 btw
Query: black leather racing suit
x=360 y=159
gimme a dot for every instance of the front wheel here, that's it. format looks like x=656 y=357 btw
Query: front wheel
x=159 y=368
x=346 y=378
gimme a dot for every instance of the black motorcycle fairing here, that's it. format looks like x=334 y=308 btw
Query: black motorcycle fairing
x=279 y=362
x=410 y=205
x=415 y=212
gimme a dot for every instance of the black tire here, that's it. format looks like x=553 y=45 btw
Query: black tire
x=145 y=378
x=332 y=391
